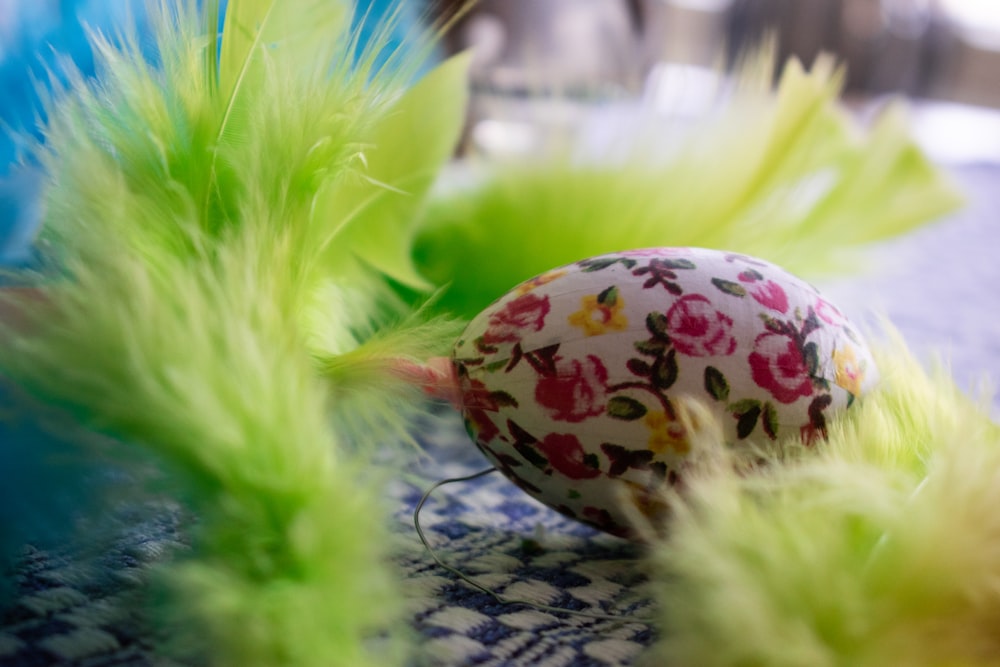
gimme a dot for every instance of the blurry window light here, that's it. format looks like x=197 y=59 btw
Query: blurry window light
x=709 y=6
x=677 y=89
x=977 y=21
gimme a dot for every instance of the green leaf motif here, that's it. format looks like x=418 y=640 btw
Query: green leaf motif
x=503 y=399
x=495 y=366
x=716 y=384
x=608 y=297
x=639 y=367
x=775 y=325
x=747 y=422
x=679 y=264
x=591 y=461
x=532 y=455
x=665 y=370
x=591 y=265
x=651 y=348
x=770 y=421
x=625 y=408
x=816 y=417
x=656 y=323
x=810 y=355
x=520 y=435
x=743 y=406
x=729 y=287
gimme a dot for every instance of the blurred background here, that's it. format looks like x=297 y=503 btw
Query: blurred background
x=670 y=53
x=556 y=71
x=945 y=49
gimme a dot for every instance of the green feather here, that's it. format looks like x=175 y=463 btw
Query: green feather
x=787 y=176
x=208 y=292
x=879 y=548
x=197 y=363
x=406 y=152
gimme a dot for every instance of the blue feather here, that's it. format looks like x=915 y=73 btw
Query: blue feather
x=39 y=37
x=47 y=481
x=20 y=214
x=48 y=484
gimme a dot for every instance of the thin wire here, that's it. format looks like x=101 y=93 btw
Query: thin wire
x=497 y=596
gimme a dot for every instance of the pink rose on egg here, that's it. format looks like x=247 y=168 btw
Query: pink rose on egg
x=697 y=329
x=577 y=390
x=657 y=252
x=566 y=456
x=771 y=295
x=829 y=313
x=524 y=314
x=778 y=365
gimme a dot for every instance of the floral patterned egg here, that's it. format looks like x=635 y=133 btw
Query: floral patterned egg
x=570 y=382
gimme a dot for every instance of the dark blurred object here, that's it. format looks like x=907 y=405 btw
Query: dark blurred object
x=922 y=48
x=888 y=45
x=539 y=65
x=944 y=49
x=573 y=47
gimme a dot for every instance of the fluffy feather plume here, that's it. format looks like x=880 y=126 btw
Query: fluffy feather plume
x=787 y=176
x=197 y=364
x=211 y=211
x=288 y=136
x=882 y=547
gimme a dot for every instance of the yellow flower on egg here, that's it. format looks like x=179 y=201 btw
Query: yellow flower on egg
x=666 y=434
x=849 y=373
x=538 y=281
x=600 y=313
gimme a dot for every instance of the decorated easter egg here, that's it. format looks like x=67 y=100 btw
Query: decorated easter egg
x=570 y=383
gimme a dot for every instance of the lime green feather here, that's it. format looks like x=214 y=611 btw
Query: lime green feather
x=406 y=152
x=209 y=285
x=788 y=176
x=197 y=363
x=879 y=548
x=294 y=133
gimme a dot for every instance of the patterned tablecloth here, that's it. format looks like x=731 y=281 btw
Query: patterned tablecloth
x=78 y=607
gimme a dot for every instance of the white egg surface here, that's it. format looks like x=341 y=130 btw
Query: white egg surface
x=570 y=382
